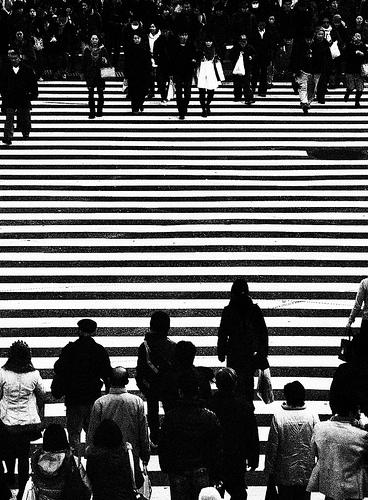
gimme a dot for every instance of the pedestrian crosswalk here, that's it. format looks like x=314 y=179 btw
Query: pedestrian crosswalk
x=115 y=217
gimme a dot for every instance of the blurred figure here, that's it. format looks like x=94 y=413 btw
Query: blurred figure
x=94 y=58
x=21 y=409
x=356 y=55
x=242 y=74
x=183 y=60
x=108 y=464
x=162 y=58
x=138 y=68
x=289 y=457
x=208 y=77
x=240 y=433
x=243 y=338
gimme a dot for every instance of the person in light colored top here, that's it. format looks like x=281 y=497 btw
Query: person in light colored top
x=361 y=301
x=289 y=456
x=21 y=404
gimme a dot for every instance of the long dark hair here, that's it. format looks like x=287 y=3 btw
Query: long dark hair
x=20 y=358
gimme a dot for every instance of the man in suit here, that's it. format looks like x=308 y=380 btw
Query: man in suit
x=18 y=86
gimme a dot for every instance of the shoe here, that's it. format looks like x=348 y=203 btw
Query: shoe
x=63 y=76
x=252 y=100
x=150 y=96
x=357 y=104
x=91 y=116
x=305 y=108
x=261 y=94
x=141 y=109
x=208 y=109
x=248 y=103
x=25 y=136
x=237 y=100
x=7 y=142
x=321 y=101
x=346 y=96
x=99 y=114
x=181 y=117
x=163 y=102
x=204 y=114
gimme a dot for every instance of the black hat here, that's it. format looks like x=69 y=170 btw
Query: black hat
x=87 y=325
x=54 y=438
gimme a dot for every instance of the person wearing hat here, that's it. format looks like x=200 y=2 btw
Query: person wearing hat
x=83 y=367
x=52 y=463
x=243 y=338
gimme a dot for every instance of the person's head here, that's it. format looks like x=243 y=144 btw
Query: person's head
x=54 y=438
x=239 y=289
x=208 y=41
x=286 y=5
x=86 y=327
x=153 y=29
x=359 y=20
x=160 y=323
x=261 y=25
x=226 y=380
x=95 y=40
x=336 y=20
x=137 y=39
x=19 y=35
x=244 y=7
x=187 y=7
x=84 y=7
x=32 y=13
x=166 y=32
x=320 y=35
x=271 y=20
x=255 y=4
x=294 y=393
x=325 y=22
x=19 y=358
x=183 y=38
x=334 y=4
x=134 y=24
x=14 y=58
x=357 y=38
x=243 y=40
x=107 y=435
x=185 y=352
x=309 y=37
x=188 y=386
x=119 y=377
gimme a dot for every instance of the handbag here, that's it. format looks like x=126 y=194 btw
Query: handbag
x=146 y=489
x=37 y=43
x=219 y=71
x=346 y=348
x=108 y=72
x=58 y=388
x=76 y=484
x=334 y=49
x=239 y=66
x=29 y=492
x=170 y=90
x=364 y=70
x=264 y=386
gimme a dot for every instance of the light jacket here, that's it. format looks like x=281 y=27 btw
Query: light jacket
x=289 y=455
x=341 y=470
x=18 y=403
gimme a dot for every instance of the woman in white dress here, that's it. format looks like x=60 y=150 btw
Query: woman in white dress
x=209 y=67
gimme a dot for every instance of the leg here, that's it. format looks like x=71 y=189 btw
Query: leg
x=153 y=418
x=262 y=90
x=234 y=481
x=74 y=424
x=23 y=465
x=187 y=93
x=179 y=91
x=302 y=81
x=202 y=100
x=199 y=479
x=179 y=487
x=86 y=415
x=24 y=121
x=359 y=85
x=91 y=102
x=247 y=88
x=210 y=94
x=312 y=86
x=237 y=80
x=100 y=101
x=9 y=125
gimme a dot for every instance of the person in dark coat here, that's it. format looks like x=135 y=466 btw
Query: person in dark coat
x=155 y=360
x=94 y=58
x=190 y=446
x=18 y=87
x=82 y=368
x=310 y=57
x=243 y=338
x=108 y=464
x=240 y=433
x=138 y=69
x=262 y=41
x=355 y=55
x=242 y=82
x=183 y=61
x=162 y=58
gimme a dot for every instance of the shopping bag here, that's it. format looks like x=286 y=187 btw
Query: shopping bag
x=37 y=43
x=364 y=70
x=334 y=49
x=146 y=488
x=346 y=347
x=239 y=66
x=29 y=490
x=264 y=386
x=108 y=72
x=170 y=90
x=209 y=492
x=219 y=71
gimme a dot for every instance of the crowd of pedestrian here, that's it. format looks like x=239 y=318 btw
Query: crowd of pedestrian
x=316 y=45
x=207 y=440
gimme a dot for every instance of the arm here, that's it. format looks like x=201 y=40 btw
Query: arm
x=252 y=441
x=358 y=304
x=271 y=448
x=40 y=393
x=223 y=336
x=144 y=447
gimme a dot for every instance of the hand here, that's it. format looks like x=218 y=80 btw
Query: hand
x=104 y=60
x=221 y=358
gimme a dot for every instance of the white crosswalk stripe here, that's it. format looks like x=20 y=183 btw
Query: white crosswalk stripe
x=116 y=217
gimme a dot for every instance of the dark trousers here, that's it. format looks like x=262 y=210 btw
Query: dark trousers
x=187 y=485
x=162 y=82
x=242 y=87
x=77 y=418
x=292 y=492
x=183 y=90
x=259 y=76
x=234 y=480
x=205 y=98
x=364 y=327
x=113 y=38
x=137 y=92
x=91 y=100
x=322 y=86
x=153 y=418
x=23 y=122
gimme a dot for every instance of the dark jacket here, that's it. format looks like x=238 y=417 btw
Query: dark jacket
x=242 y=333
x=83 y=365
x=138 y=64
x=354 y=60
x=49 y=480
x=17 y=90
x=110 y=474
x=162 y=54
x=249 y=55
x=92 y=66
x=155 y=360
x=263 y=46
x=239 y=429
x=183 y=60
x=350 y=380
x=314 y=58
x=190 y=439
